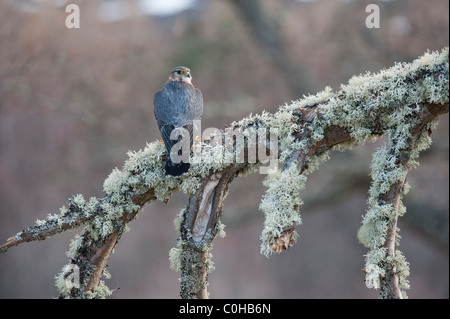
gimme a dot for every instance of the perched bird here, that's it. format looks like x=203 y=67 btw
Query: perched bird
x=176 y=106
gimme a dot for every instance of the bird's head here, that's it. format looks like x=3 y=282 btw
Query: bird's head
x=181 y=74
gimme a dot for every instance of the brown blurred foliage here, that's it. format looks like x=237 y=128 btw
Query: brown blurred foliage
x=74 y=101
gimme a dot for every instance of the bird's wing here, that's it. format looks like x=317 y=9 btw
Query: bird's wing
x=162 y=118
x=170 y=114
x=166 y=131
x=160 y=107
x=167 y=121
x=190 y=128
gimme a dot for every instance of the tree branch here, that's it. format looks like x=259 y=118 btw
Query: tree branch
x=403 y=102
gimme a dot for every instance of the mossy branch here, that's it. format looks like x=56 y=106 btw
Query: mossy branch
x=403 y=102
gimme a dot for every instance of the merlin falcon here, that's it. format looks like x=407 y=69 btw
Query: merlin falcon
x=176 y=107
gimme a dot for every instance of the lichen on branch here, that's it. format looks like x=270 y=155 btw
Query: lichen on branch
x=281 y=205
x=402 y=102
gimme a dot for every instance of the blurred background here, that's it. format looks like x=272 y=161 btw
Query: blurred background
x=74 y=101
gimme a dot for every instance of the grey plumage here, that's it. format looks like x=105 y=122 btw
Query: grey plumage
x=177 y=105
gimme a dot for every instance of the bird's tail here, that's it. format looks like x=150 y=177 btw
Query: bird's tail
x=176 y=169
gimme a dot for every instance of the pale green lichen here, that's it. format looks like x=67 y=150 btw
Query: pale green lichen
x=175 y=258
x=178 y=220
x=387 y=170
x=221 y=229
x=194 y=263
x=68 y=280
x=64 y=285
x=144 y=169
x=280 y=205
x=79 y=200
x=100 y=291
x=190 y=185
x=192 y=258
x=379 y=219
x=75 y=244
x=40 y=222
x=392 y=96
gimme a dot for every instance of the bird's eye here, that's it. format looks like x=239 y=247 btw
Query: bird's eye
x=178 y=72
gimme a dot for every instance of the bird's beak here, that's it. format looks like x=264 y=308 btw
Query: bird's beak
x=188 y=75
